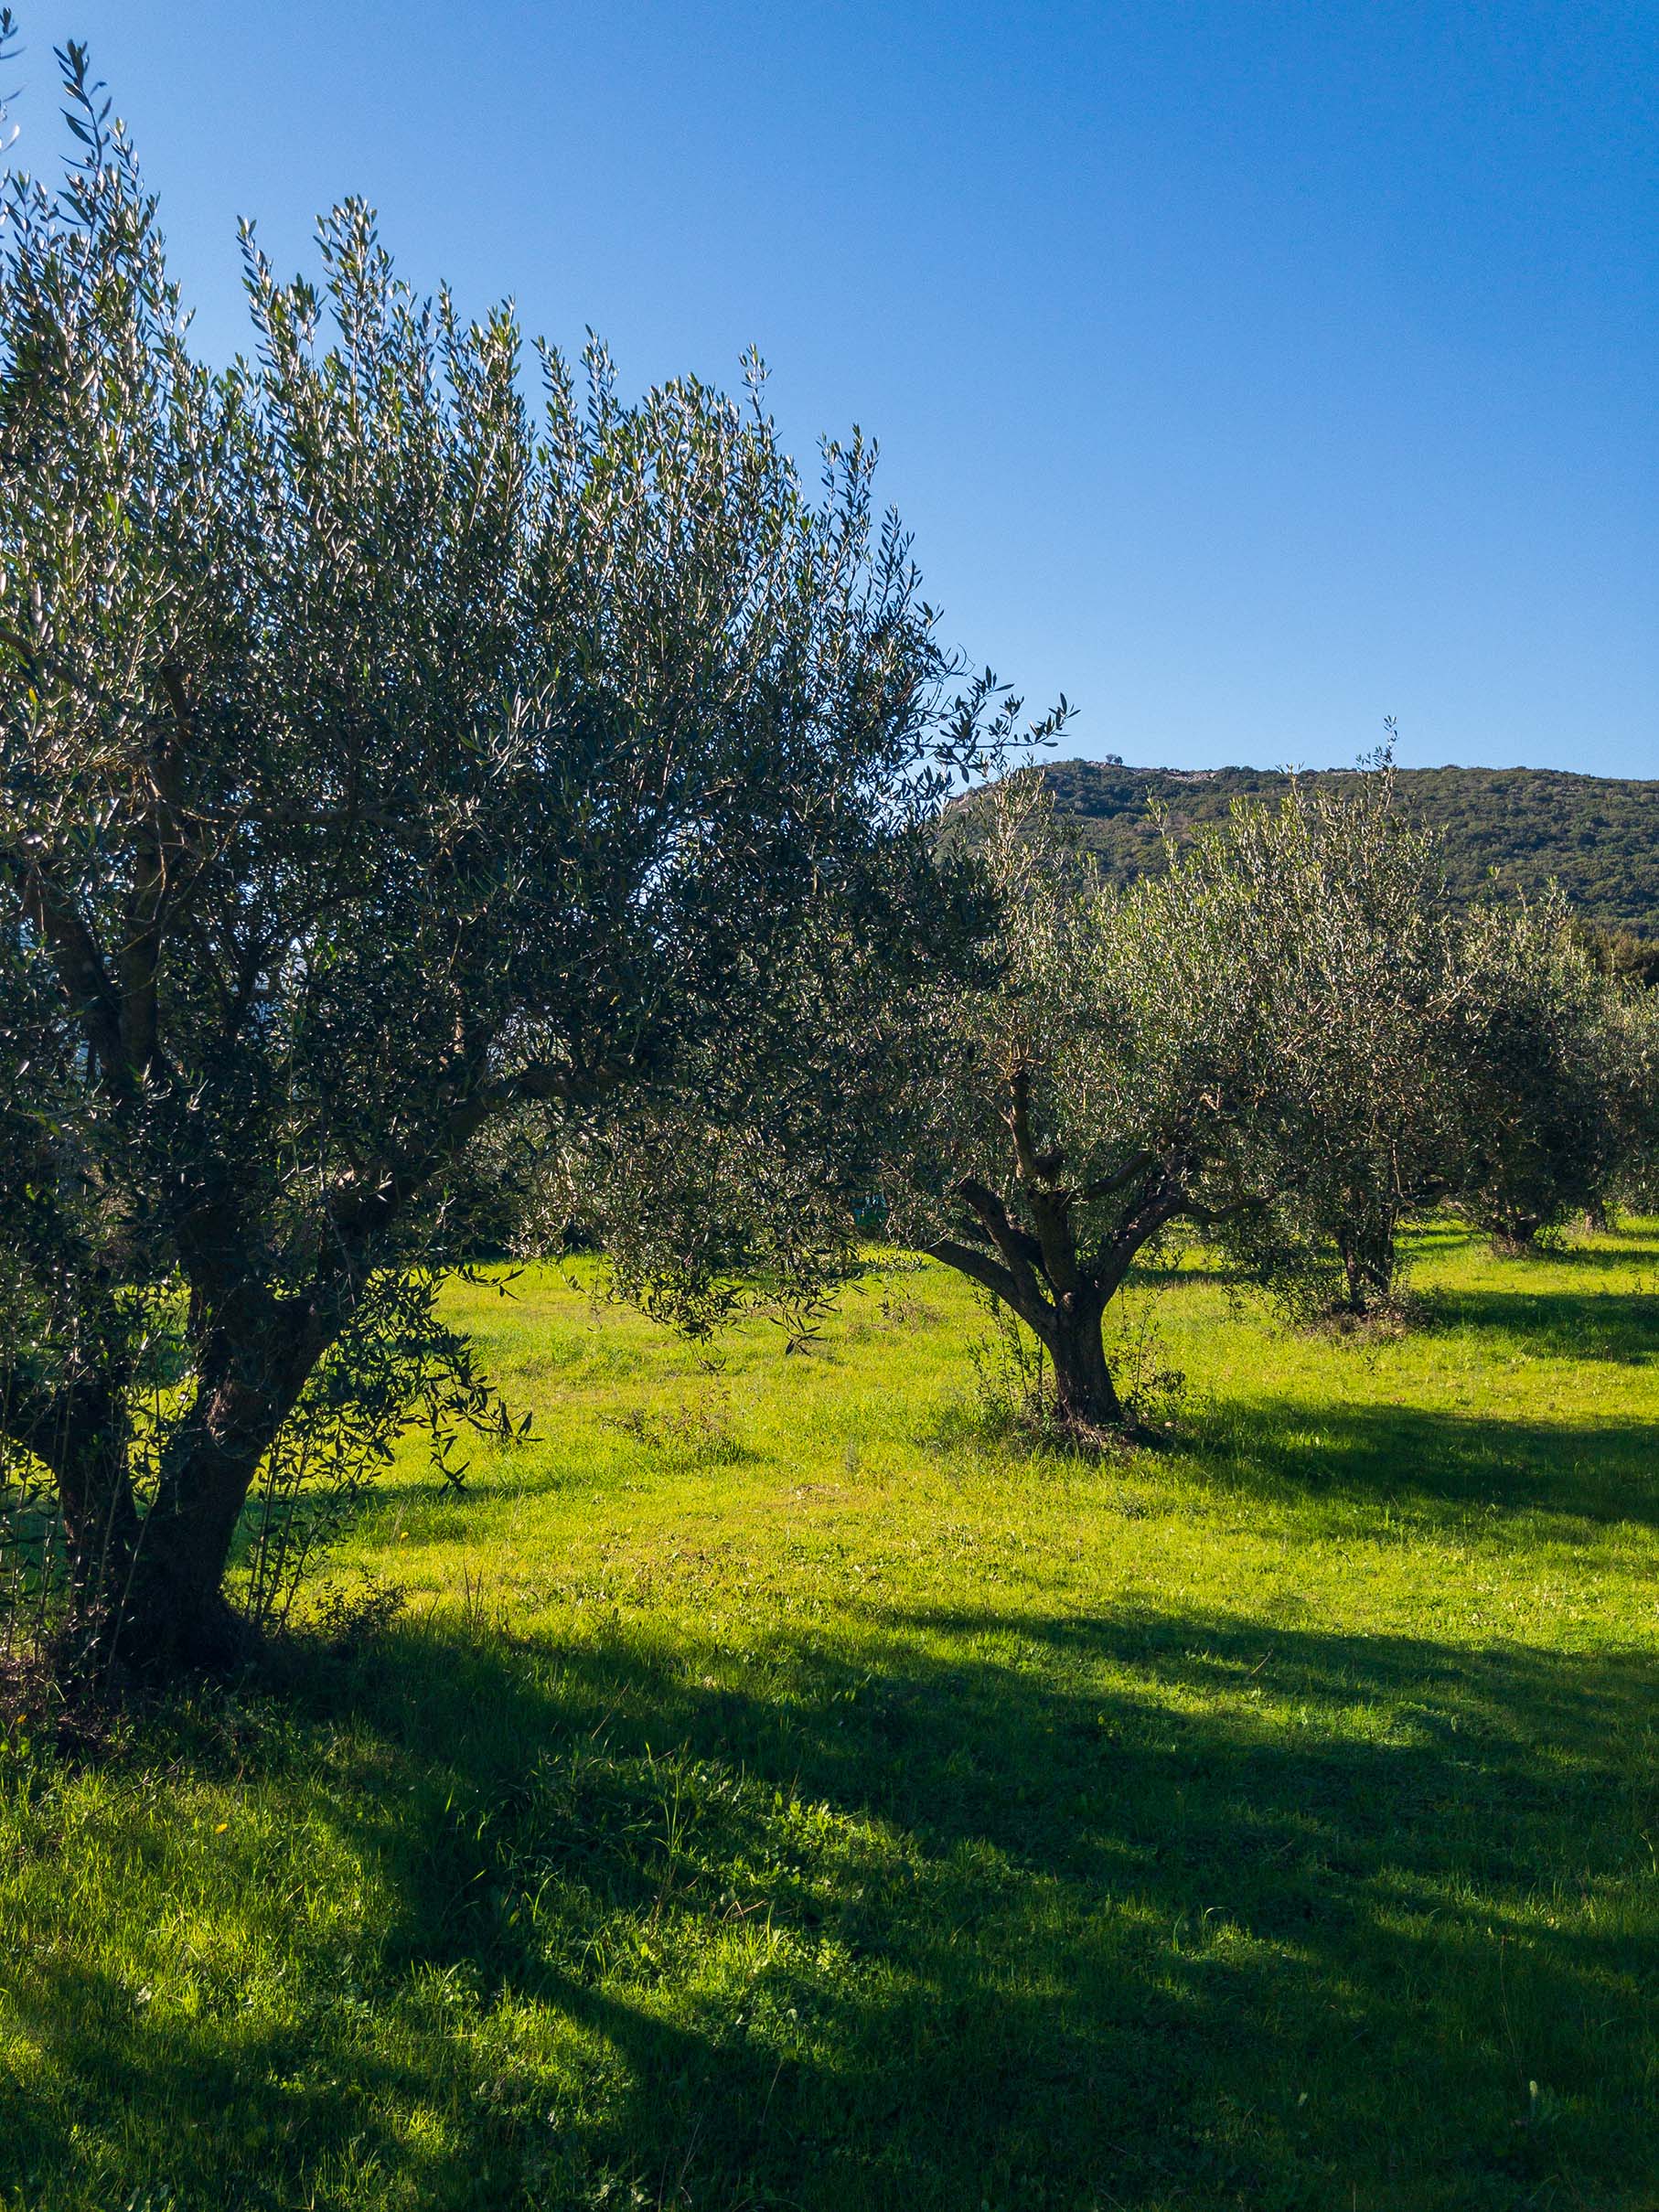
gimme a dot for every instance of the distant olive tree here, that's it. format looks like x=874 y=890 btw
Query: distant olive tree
x=1553 y=1065
x=1635 y=1184
x=1142 y=1059
x=384 y=761
x=1378 y=944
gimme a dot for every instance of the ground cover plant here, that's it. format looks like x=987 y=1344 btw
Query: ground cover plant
x=783 y=1788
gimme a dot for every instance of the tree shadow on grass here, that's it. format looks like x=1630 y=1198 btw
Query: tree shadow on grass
x=1559 y=1324
x=1435 y=1469
x=1617 y=1250
x=948 y=1908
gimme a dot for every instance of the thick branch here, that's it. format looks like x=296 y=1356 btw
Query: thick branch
x=1005 y=1232
x=1018 y=1122
x=1116 y=1255
x=1032 y=1309
x=1108 y=1186
x=1211 y=1217
x=80 y=966
x=1022 y=1253
x=1050 y=1206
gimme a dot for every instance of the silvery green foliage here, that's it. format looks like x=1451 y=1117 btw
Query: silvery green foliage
x=1480 y=1056
x=706 y=1207
x=1556 y=1072
x=1378 y=955
x=1636 y=1179
x=1140 y=1061
x=383 y=757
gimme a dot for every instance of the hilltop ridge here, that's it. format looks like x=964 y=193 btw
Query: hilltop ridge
x=1597 y=837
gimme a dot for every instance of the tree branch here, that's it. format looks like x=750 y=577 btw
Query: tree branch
x=1211 y=1217
x=75 y=955
x=1108 y=1186
x=1003 y=1230
x=1021 y=1253
x=981 y=1268
x=157 y=847
x=1018 y=1122
x=1114 y=1256
x=1050 y=1207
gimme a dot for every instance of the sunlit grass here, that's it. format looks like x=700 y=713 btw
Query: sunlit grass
x=780 y=1791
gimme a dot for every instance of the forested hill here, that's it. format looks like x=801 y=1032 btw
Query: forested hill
x=1597 y=836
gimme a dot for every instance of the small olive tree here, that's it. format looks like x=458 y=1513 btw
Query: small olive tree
x=383 y=760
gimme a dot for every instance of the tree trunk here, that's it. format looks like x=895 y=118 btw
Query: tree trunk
x=1367 y=1252
x=89 y=1457
x=177 y=1614
x=149 y=1595
x=176 y=1617
x=1058 y=1292
x=1084 y=1393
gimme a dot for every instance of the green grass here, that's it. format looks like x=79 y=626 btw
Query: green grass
x=779 y=1792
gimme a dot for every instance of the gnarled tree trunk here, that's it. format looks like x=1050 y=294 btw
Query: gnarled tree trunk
x=255 y=1356
x=1084 y=1393
x=147 y=1596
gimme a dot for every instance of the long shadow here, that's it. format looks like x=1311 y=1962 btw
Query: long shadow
x=1142 y=1909
x=1565 y=1324
x=1587 y=1258
x=1090 y=1912
x=1438 y=1468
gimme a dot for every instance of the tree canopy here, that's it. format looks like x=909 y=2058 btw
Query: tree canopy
x=383 y=754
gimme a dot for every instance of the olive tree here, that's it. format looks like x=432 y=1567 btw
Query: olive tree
x=1139 y=1061
x=383 y=756
x=1552 y=1067
x=1378 y=944
x=1635 y=1179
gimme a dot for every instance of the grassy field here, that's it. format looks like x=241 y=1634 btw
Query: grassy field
x=779 y=1791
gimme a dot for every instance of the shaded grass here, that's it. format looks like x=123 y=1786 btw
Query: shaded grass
x=779 y=1794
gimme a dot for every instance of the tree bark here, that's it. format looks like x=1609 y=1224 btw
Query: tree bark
x=147 y=1589
x=252 y=1369
x=1084 y=1393
x=1367 y=1252
x=89 y=1456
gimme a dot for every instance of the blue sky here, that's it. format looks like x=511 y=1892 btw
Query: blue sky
x=1247 y=371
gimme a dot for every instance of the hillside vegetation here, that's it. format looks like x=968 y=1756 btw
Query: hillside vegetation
x=1597 y=836
x=780 y=1790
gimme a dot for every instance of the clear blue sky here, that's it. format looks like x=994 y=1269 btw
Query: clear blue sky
x=1249 y=371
